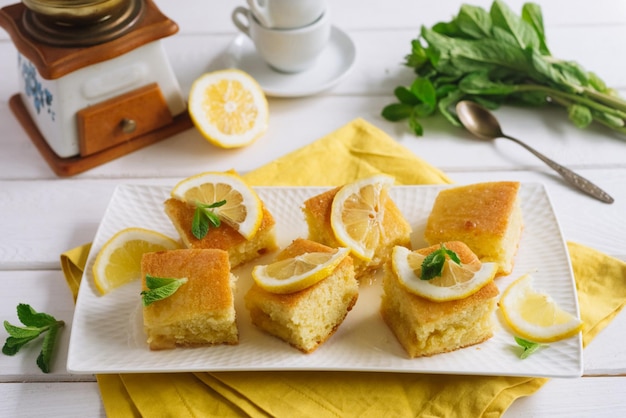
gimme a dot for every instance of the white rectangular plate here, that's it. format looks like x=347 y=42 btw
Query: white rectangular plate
x=107 y=331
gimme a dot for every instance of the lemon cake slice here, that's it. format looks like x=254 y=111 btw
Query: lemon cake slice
x=201 y=311
x=220 y=210
x=224 y=237
x=425 y=327
x=485 y=216
x=308 y=317
x=361 y=216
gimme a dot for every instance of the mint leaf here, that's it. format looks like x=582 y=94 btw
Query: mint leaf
x=12 y=345
x=423 y=89
x=22 y=332
x=397 y=111
x=528 y=347
x=160 y=288
x=432 y=266
x=36 y=323
x=45 y=357
x=531 y=13
x=406 y=96
x=204 y=218
x=474 y=21
x=522 y=31
x=29 y=317
x=200 y=223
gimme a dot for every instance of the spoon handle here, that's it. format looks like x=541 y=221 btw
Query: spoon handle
x=573 y=178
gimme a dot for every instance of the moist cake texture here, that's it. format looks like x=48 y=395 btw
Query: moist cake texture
x=306 y=318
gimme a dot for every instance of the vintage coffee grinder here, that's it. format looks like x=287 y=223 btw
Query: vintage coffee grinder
x=95 y=83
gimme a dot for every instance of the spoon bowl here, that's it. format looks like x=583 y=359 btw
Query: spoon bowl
x=483 y=124
x=478 y=120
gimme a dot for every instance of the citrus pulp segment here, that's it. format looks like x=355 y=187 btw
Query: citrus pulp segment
x=243 y=209
x=456 y=281
x=535 y=315
x=119 y=260
x=357 y=214
x=294 y=274
x=229 y=108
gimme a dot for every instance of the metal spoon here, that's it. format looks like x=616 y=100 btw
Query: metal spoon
x=483 y=124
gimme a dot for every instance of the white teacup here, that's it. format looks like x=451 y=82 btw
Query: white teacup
x=285 y=50
x=287 y=14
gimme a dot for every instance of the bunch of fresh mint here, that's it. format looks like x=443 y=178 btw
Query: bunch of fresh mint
x=36 y=323
x=495 y=57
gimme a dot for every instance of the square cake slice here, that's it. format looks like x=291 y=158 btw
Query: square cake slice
x=425 y=327
x=306 y=318
x=224 y=237
x=202 y=310
x=485 y=216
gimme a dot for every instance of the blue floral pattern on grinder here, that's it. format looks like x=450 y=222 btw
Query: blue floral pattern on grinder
x=41 y=96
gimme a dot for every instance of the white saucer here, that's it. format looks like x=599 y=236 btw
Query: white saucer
x=332 y=66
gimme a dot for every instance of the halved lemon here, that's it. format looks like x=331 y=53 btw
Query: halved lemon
x=294 y=274
x=456 y=281
x=119 y=260
x=357 y=214
x=229 y=108
x=534 y=315
x=243 y=209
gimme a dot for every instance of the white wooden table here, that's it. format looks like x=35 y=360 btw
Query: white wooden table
x=43 y=215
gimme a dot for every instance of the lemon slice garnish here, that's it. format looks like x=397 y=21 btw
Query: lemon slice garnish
x=357 y=214
x=243 y=209
x=229 y=108
x=119 y=260
x=534 y=315
x=294 y=274
x=455 y=282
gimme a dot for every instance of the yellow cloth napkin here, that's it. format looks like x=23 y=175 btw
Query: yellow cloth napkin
x=355 y=150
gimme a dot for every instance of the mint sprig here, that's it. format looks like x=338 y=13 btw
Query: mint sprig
x=495 y=56
x=204 y=217
x=528 y=347
x=36 y=323
x=160 y=288
x=432 y=266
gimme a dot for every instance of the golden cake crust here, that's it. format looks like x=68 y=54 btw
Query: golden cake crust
x=479 y=209
x=485 y=216
x=203 y=266
x=205 y=301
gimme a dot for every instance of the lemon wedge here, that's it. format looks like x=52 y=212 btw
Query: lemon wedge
x=243 y=209
x=229 y=108
x=534 y=315
x=357 y=213
x=119 y=260
x=456 y=281
x=294 y=274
